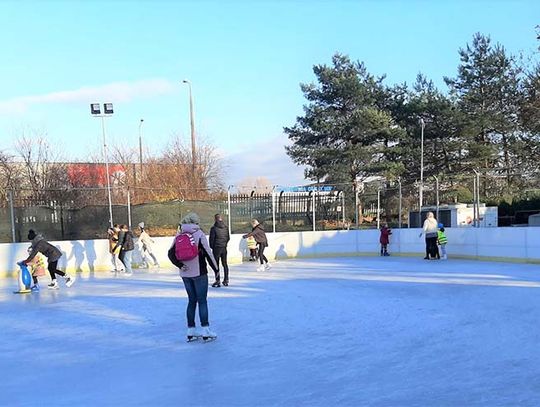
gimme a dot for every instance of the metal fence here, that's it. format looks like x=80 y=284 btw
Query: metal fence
x=84 y=213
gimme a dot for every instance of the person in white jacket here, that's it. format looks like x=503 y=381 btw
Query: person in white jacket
x=430 y=229
x=145 y=244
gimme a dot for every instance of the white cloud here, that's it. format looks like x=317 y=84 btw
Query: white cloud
x=114 y=92
x=267 y=159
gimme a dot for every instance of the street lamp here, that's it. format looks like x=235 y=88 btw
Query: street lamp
x=140 y=145
x=423 y=125
x=192 y=119
x=108 y=110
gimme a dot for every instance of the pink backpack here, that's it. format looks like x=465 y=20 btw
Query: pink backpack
x=185 y=247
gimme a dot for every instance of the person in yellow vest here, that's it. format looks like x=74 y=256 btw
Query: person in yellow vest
x=252 y=246
x=442 y=240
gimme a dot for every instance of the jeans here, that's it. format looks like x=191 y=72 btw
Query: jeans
x=220 y=253
x=443 y=250
x=197 y=291
x=125 y=258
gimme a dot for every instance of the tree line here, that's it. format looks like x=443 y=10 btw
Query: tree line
x=487 y=119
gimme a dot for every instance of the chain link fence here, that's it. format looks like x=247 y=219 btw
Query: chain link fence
x=85 y=213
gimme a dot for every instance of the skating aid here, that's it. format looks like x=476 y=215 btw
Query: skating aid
x=24 y=280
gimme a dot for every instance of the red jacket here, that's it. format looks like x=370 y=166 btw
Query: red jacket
x=385 y=235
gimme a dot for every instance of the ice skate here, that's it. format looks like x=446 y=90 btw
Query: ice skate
x=35 y=288
x=53 y=285
x=225 y=284
x=207 y=335
x=69 y=280
x=260 y=268
x=192 y=334
x=267 y=266
x=216 y=284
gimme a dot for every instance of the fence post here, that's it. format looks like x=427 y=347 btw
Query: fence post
x=477 y=198
x=273 y=209
x=379 y=208
x=399 y=211
x=474 y=201
x=436 y=197
x=12 y=212
x=313 y=209
x=129 y=208
x=229 y=207
x=356 y=214
x=343 y=205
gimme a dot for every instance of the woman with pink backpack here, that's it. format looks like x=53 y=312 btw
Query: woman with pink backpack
x=190 y=252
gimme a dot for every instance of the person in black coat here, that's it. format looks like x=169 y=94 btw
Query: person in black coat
x=219 y=237
x=262 y=242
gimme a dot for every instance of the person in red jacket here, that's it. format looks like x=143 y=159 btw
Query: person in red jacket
x=385 y=239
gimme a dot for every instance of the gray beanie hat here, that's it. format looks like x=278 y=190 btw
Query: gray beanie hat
x=191 y=218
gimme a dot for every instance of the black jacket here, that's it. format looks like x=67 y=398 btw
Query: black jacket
x=126 y=240
x=219 y=235
x=42 y=246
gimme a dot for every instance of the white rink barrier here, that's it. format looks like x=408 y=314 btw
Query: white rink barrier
x=520 y=244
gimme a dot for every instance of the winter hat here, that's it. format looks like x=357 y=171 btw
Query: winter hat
x=31 y=234
x=141 y=225
x=191 y=218
x=440 y=225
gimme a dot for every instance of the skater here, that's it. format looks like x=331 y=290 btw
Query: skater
x=37 y=269
x=146 y=243
x=194 y=274
x=40 y=245
x=114 y=248
x=442 y=240
x=385 y=239
x=430 y=229
x=219 y=237
x=125 y=240
x=257 y=232
x=252 y=246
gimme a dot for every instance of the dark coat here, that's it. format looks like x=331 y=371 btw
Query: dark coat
x=219 y=235
x=385 y=235
x=126 y=240
x=42 y=246
x=259 y=235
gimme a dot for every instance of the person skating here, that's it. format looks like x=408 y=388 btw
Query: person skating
x=219 y=237
x=125 y=240
x=252 y=246
x=146 y=243
x=52 y=253
x=194 y=274
x=442 y=240
x=114 y=248
x=257 y=232
x=430 y=229
x=36 y=266
x=384 y=239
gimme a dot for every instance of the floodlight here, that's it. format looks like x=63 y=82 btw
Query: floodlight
x=95 y=108
x=108 y=108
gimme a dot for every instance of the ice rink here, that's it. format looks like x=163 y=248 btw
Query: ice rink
x=339 y=331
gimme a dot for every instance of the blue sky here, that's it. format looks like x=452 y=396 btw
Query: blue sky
x=244 y=59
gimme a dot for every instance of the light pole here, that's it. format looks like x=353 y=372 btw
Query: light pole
x=192 y=120
x=140 y=146
x=423 y=125
x=96 y=112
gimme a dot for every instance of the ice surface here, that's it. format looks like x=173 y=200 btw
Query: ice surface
x=338 y=331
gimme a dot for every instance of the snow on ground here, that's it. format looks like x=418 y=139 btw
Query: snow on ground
x=338 y=331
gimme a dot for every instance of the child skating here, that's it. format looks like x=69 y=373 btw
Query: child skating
x=442 y=240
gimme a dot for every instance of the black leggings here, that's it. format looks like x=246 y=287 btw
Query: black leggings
x=431 y=247
x=53 y=271
x=220 y=253
x=262 y=257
